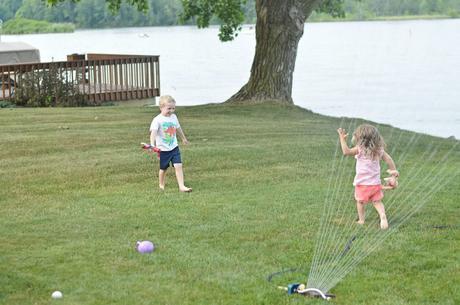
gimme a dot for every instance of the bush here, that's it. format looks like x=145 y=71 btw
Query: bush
x=6 y=104
x=47 y=88
x=453 y=13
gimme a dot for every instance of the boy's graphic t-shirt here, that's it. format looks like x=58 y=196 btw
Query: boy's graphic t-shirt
x=165 y=127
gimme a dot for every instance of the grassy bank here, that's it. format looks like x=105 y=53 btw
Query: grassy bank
x=77 y=193
x=321 y=17
x=29 y=26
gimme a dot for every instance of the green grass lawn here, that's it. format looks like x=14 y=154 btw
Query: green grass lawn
x=77 y=192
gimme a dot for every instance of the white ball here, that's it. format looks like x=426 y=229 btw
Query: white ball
x=56 y=295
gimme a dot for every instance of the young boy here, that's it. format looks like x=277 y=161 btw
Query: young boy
x=163 y=136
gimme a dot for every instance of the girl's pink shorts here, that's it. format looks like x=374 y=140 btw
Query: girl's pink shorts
x=366 y=193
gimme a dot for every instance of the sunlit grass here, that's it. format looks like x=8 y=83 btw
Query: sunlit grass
x=77 y=192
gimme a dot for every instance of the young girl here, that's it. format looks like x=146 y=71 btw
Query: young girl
x=368 y=150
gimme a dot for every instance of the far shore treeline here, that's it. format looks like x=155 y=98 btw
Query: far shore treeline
x=96 y=14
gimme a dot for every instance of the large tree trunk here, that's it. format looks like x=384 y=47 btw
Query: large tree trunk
x=279 y=28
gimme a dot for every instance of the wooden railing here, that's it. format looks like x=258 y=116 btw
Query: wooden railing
x=99 y=78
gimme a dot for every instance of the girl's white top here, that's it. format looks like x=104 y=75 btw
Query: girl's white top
x=166 y=127
x=367 y=169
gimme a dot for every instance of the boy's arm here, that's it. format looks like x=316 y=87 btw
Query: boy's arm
x=154 y=127
x=153 y=136
x=182 y=135
x=391 y=164
x=343 y=144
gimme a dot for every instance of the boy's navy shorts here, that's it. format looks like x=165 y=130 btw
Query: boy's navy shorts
x=172 y=156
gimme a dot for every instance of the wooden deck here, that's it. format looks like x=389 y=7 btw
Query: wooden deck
x=110 y=92
x=100 y=77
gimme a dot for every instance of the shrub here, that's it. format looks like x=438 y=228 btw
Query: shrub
x=6 y=104
x=47 y=88
x=452 y=13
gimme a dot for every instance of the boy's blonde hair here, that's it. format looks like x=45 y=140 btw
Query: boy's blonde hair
x=166 y=99
x=368 y=138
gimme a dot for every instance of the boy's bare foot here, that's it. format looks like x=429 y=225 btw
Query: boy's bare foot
x=360 y=222
x=186 y=190
x=383 y=224
x=162 y=187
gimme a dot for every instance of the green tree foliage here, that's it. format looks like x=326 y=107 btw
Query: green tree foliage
x=94 y=13
x=98 y=13
x=8 y=8
x=377 y=8
x=229 y=13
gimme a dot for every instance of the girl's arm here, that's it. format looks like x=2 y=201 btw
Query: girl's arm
x=343 y=143
x=391 y=164
x=182 y=136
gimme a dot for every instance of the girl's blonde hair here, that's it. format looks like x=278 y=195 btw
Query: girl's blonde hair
x=368 y=138
x=166 y=99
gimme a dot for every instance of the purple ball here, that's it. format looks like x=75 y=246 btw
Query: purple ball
x=145 y=246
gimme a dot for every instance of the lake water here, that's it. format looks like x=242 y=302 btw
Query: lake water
x=404 y=73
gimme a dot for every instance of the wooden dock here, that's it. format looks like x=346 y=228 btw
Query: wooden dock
x=98 y=77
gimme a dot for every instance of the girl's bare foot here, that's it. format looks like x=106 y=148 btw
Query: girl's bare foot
x=360 y=222
x=162 y=187
x=383 y=224
x=185 y=189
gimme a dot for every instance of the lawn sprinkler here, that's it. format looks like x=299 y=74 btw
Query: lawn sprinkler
x=145 y=246
x=310 y=292
x=151 y=148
